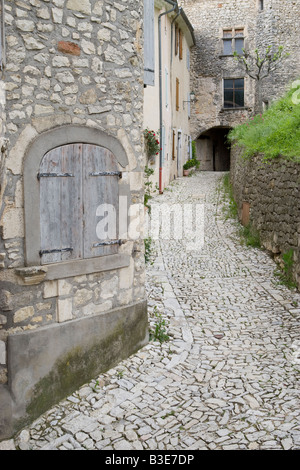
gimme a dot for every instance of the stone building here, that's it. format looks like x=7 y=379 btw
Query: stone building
x=72 y=299
x=225 y=94
x=167 y=93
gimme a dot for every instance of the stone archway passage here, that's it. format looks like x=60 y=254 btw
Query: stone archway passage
x=213 y=151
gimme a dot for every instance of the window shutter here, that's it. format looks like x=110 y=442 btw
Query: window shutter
x=174 y=145
x=60 y=204
x=167 y=86
x=163 y=143
x=176 y=39
x=149 y=43
x=177 y=94
x=180 y=44
x=101 y=202
x=189 y=104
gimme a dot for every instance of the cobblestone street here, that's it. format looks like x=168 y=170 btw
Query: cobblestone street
x=227 y=378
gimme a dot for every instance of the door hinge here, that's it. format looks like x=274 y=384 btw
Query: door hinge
x=56 y=250
x=106 y=173
x=109 y=242
x=52 y=175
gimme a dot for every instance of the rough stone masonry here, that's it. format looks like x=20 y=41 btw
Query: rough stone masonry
x=74 y=74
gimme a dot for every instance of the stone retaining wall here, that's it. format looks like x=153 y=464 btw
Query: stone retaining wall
x=268 y=197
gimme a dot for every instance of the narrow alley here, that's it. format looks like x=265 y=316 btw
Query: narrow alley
x=227 y=377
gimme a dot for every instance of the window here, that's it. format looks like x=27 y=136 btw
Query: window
x=177 y=94
x=234 y=93
x=2 y=36
x=176 y=39
x=167 y=86
x=180 y=45
x=261 y=4
x=178 y=42
x=174 y=145
x=71 y=201
x=233 y=41
x=78 y=203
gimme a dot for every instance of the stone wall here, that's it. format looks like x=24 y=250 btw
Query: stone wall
x=210 y=66
x=271 y=191
x=276 y=25
x=73 y=65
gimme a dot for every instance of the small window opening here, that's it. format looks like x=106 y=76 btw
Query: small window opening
x=234 y=93
x=233 y=41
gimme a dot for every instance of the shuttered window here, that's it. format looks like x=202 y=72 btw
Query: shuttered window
x=167 y=86
x=176 y=39
x=78 y=203
x=177 y=94
x=180 y=45
x=174 y=145
x=149 y=40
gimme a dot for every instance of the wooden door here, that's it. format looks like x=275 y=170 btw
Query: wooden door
x=101 y=201
x=79 y=197
x=61 y=206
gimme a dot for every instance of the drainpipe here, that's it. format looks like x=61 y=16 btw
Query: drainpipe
x=175 y=7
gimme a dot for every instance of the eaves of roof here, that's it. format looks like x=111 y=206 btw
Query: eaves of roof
x=182 y=19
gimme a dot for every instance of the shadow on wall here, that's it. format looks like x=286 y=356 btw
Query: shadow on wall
x=213 y=150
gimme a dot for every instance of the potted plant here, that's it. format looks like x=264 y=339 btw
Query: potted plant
x=190 y=165
x=186 y=170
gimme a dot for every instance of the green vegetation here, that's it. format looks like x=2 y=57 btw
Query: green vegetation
x=160 y=332
x=274 y=133
x=193 y=150
x=230 y=210
x=120 y=373
x=193 y=162
x=151 y=142
x=285 y=275
x=148 y=172
x=147 y=243
x=250 y=236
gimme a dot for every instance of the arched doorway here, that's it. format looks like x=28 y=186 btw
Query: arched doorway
x=213 y=150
